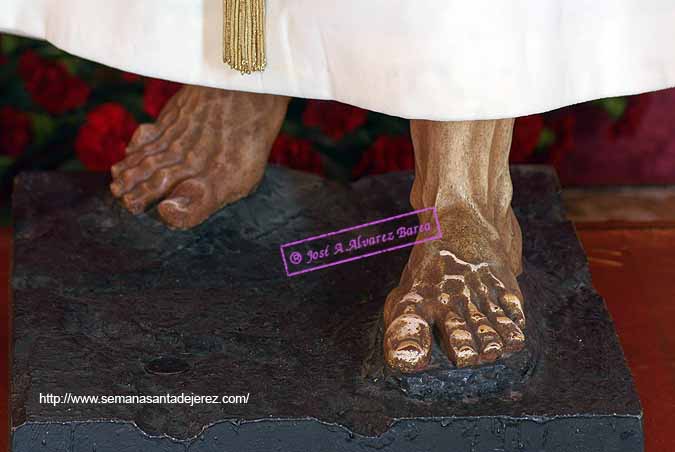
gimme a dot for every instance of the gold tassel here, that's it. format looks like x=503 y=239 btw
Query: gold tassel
x=244 y=35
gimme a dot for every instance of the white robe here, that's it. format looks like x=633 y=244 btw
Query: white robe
x=423 y=59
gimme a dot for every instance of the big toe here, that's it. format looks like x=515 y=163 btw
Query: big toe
x=407 y=343
x=189 y=204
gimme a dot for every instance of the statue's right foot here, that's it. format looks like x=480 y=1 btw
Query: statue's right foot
x=208 y=148
x=465 y=284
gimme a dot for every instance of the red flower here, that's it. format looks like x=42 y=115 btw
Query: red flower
x=333 y=118
x=297 y=154
x=526 y=134
x=15 y=131
x=102 y=140
x=50 y=85
x=388 y=154
x=130 y=77
x=157 y=94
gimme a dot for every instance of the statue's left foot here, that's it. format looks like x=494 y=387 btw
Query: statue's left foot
x=474 y=302
x=208 y=148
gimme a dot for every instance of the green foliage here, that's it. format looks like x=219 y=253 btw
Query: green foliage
x=9 y=44
x=614 y=106
x=546 y=139
x=44 y=127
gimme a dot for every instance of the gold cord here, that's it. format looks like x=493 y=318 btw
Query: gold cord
x=244 y=35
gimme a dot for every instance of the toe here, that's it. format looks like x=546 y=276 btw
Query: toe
x=492 y=347
x=190 y=203
x=128 y=180
x=161 y=183
x=407 y=343
x=397 y=305
x=512 y=336
x=134 y=168
x=458 y=341
x=145 y=134
x=138 y=148
x=130 y=172
x=489 y=342
x=513 y=307
x=510 y=300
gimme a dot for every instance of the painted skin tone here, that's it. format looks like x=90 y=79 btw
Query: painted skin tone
x=209 y=148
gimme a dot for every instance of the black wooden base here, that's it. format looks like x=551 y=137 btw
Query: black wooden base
x=106 y=303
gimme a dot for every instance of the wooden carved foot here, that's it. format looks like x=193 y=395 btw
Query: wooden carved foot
x=208 y=148
x=464 y=284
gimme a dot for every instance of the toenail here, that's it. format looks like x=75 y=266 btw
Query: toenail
x=484 y=329
x=461 y=335
x=180 y=202
x=466 y=356
x=492 y=347
x=409 y=346
x=455 y=322
x=466 y=352
x=408 y=355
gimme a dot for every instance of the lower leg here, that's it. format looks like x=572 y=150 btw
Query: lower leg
x=464 y=166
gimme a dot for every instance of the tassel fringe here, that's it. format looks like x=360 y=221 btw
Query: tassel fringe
x=244 y=35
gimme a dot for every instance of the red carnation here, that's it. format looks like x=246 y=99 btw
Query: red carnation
x=526 y=134
x=388 y=154
x=333 y=118
x=130 y=77
x=102 y=140
x=15 y=131
x=157 y=94
x=50 y=85
x=297 y=154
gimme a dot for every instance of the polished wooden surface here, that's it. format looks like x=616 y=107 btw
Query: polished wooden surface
x=633 y=267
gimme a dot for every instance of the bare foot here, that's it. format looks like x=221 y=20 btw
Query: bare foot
x=465 y=286
x=208 y=148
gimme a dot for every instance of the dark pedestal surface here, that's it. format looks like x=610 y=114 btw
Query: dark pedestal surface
x=106 y=303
